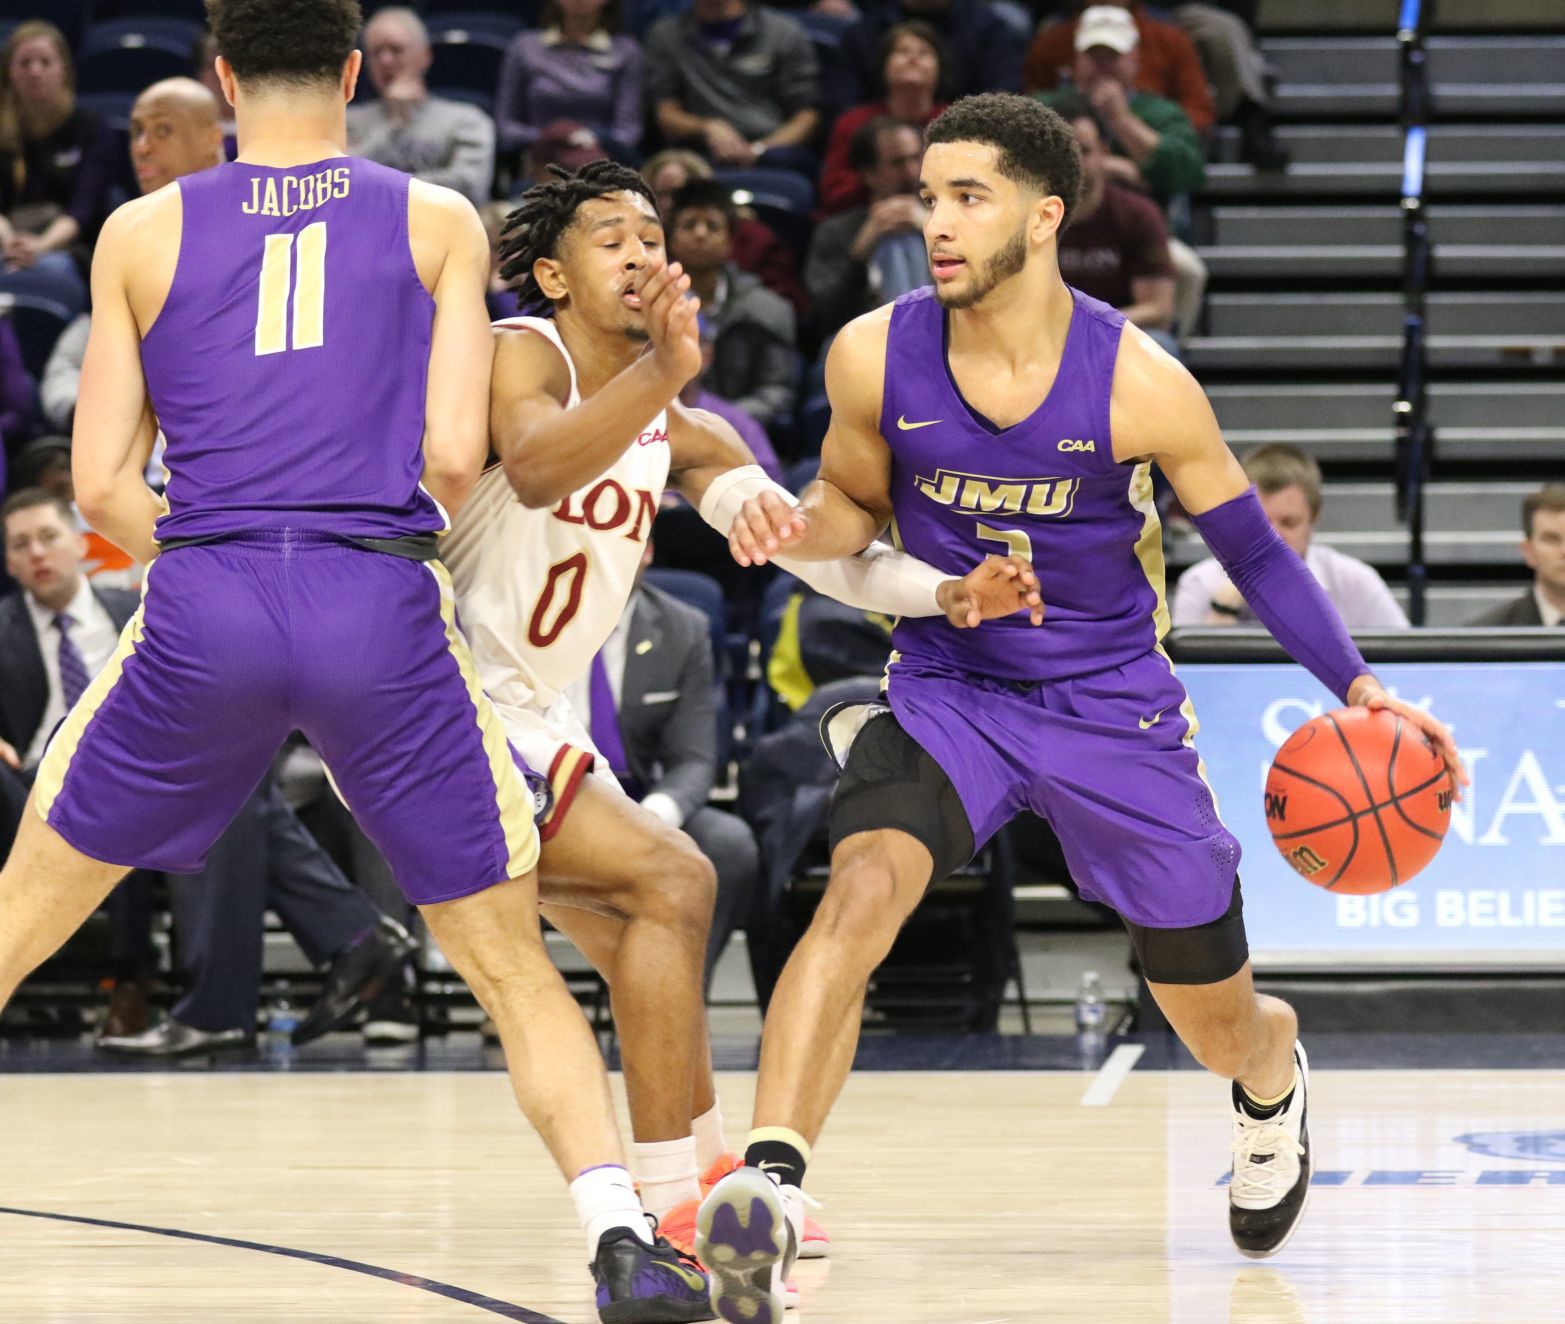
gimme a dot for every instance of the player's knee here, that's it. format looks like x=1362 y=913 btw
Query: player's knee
x=864 y=903
x=677 y=888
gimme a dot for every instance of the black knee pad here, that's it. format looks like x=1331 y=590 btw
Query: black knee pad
x=890 y=782
x=1203 y=954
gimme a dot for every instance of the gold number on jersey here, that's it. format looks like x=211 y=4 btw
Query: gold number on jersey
x=1015 y=542
x=549 y=621
x=308 y=292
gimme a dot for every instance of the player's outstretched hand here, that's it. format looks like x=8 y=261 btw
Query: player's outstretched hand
x=997 y=586
x=1369 y=692
x=764 y=526
x=670 y=310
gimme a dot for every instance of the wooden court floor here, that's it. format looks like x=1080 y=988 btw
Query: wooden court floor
x=959 y=1198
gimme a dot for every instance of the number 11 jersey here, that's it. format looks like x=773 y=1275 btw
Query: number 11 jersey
x=287 y=367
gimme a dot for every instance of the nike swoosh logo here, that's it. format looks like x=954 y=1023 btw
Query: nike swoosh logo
x=773 y=1167
x=904 y=426
x=1156 y=718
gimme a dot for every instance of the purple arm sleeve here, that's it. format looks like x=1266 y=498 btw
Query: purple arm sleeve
x=1280 y=590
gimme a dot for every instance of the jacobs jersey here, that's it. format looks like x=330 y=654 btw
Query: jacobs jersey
x=1048 y=488
x=288 y=364
x=540 y=591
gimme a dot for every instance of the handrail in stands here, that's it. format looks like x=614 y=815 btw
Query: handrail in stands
x=1410 y=415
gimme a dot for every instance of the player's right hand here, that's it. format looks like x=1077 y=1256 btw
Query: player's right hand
x=997 y=586
x=670 y=311
x=764 y=526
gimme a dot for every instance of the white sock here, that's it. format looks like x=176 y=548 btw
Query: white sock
x=606 y=1199
x=711 y=1144
x=666 y=1170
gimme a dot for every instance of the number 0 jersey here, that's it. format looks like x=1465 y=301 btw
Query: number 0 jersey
x=1048 y=488
x=539 y=591
x=288 y=364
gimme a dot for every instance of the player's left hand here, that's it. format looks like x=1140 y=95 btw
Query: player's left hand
x=764 y=526
x=1368 y=692
x=997 y=586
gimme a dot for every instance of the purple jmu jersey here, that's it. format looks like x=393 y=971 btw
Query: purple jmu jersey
x=287 y=367
x=1048 y=488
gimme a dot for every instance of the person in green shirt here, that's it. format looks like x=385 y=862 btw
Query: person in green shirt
x=1156 y=148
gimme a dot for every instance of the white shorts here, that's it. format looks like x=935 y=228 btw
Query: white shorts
x=555 y=743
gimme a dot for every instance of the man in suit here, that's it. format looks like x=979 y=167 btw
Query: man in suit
x=1543 y=549
x=55 y=636
x=650 y=705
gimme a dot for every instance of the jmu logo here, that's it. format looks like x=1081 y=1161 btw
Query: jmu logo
x=1528 y=1146
x=1306 y=861
x=1069 y=445
x=980 y=494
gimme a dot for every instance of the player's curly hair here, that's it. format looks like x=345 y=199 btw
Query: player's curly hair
x=545 y=213
x=1037 y=148
x=298 y=42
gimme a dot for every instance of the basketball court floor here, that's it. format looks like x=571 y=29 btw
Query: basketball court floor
x=965 y=1181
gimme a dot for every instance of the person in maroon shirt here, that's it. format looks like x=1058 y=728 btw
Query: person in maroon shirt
x=1116 y=246
x=912 y=68
x=756 y=247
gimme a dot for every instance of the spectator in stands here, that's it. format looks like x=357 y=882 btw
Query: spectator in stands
x=176 y=129
x=55 y=635
x=1116 y=246
x=1169 y=64
x=1237 y=70
x=1543 y=548
x=437 y=140
x=911 y=70
x=982 y=49
x=57 y=165
x=875 y=252
x=500 y=298
x=1155 y=146
x=694 y=395
x=754 y=363
x=651 y=705
x=577 y=65
x=1289 y=485
x=738 y=81
x=757 y=249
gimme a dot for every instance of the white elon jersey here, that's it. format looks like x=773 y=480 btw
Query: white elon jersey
x=539 y=591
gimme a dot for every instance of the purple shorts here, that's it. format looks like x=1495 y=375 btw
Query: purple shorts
x=1107 y=758
x=238 y=643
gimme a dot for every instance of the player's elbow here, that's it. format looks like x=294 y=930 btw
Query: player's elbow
x=451 y=472
x=533 y=487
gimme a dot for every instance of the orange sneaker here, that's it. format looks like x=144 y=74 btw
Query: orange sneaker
x=814 y=1245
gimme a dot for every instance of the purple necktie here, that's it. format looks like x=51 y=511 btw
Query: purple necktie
x=73 y=670
x=604 y=720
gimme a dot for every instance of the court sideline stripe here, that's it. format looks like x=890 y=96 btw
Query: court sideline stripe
x=461 y=1294
x=1111 y=1075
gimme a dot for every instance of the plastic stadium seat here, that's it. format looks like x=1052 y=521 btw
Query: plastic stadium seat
x=38 y=320
x=113 y=107
x=130 y=54
x=439 y=13
x=64 y=14
x=780 y=198
x=479 y=24
x=101 y=11
x=465 y=58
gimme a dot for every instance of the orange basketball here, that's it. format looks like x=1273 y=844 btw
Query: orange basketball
x=1358 y=801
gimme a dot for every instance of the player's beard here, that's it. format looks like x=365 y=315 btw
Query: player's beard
x=998 y=269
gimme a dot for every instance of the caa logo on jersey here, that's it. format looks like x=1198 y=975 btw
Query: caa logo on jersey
x=652 y=437
x=1069 y=445
x=982 y=495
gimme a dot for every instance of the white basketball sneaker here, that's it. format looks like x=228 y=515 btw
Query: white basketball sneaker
x=747 y=1236
x=1271 y=1172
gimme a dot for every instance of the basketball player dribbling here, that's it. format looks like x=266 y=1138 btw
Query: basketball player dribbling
x=589 y=432
x=309 y=332
x=1002 y=408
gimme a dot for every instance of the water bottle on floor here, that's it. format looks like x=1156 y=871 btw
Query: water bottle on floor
x=1090 y=1012
x=282 y=1017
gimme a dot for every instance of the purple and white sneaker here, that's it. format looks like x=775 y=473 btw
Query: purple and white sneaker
x=748 y=1244
x=642 y=1284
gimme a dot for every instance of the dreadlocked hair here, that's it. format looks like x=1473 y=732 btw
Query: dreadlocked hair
x=545 y=213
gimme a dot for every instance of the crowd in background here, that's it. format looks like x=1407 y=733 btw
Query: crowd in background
x=783 y=146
